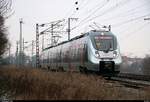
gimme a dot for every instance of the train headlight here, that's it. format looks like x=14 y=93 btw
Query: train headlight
x=115 y=54
x=97 y=54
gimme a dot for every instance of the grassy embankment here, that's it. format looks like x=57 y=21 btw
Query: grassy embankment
x=28 y=84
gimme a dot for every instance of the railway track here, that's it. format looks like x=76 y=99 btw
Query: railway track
x=132 y=80
x=134 y=76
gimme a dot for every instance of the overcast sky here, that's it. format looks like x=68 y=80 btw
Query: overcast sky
x=125 y=16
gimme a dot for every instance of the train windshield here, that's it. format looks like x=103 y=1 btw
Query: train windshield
x=105 y=42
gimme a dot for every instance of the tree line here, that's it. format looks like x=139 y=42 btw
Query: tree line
x=5 y=13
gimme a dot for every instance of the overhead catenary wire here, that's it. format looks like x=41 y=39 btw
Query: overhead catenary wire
x=125 y=28
x=120 y=4
x=126 y=13
x=84 y=4
x=86 y=7
x=83 y=20
x=88 y=19
x=133 y=19
x=130 y=20
x=73 y=10
x=97 y=8
x=132 y=33
x=81 y=7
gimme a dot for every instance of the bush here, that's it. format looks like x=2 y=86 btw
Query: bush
x=35 y=84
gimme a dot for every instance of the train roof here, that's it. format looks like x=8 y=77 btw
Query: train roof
x=92 y=32
x=77 y=37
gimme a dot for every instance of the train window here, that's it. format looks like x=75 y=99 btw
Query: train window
x=105 y=42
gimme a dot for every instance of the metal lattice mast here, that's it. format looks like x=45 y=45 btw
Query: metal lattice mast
x=69 y=21
x=32 y=52
x=47 y=30
x=52 y=27
x=37 y=46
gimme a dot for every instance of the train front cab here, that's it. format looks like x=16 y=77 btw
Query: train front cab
x=107 y=54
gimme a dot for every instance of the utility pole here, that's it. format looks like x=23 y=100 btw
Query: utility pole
x=109 y=28
x=52 y=25
x=23 y=51
x=37 y=46
x=20 y=52
x=16 y=53
x=69 y=30
x=38 y=33
x=23 y=45
x=32 y=52
x=42 y=41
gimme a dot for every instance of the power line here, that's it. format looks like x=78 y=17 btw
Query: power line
x=90 y=14
x=68 y=14
x=130 y=20
x=80 y=4
x=127 y=28
x=85 y=7
x=97 y=6
x=134 y=31
x=83 y=4
x=110 y=9
x=103 y=13
x=96 y=9
x=129 y=12
x=74 y=10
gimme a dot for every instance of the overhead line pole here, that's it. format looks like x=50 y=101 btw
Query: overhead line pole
x=42 y=41
x=17 y=53
x=52 y=25
x=69 y=28
x=23 y=52
x=37 y=46
x=38 y=33
x=69 y=20
x=32 y=52
x=20 y=52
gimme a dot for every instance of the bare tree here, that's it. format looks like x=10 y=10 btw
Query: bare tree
x=5 y=8
x=5 y=12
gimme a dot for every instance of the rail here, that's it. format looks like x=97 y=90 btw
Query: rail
x=132 y=80
x=134 y=76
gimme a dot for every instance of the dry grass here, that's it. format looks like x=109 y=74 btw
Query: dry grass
x=36 y=84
